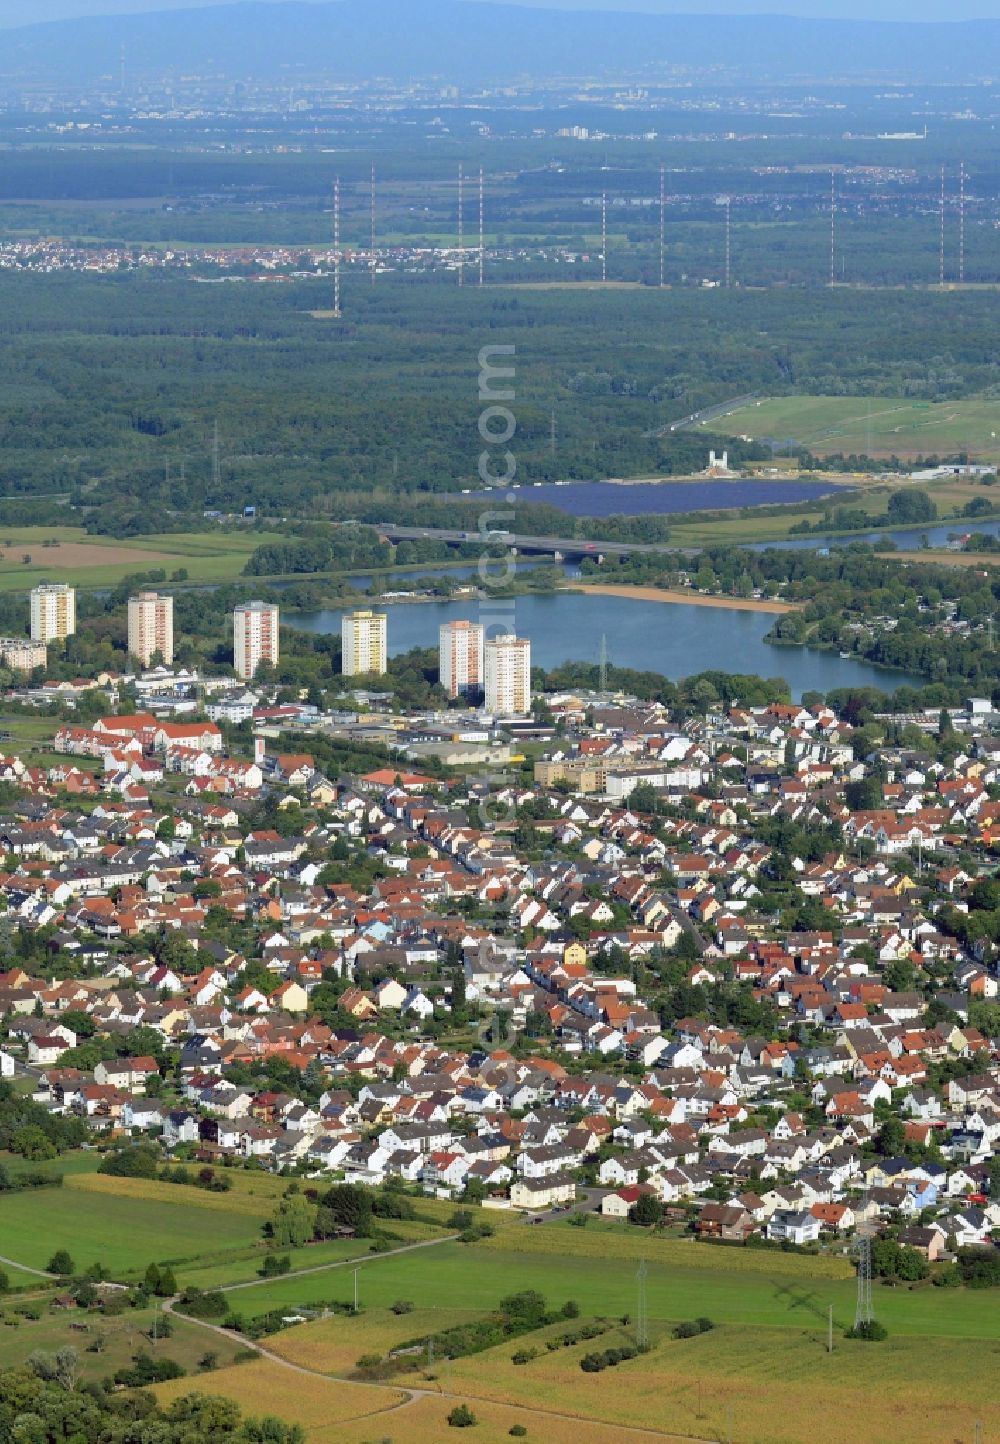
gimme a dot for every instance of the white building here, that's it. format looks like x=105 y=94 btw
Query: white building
x=255 y=637
x=53 y=612
x=507 y=671
x=151 y=627
x=22 y=655
x=460 y=657
x=363 y=641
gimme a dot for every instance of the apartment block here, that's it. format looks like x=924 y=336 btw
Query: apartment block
x=255 y=637
x=507 y=672
x=53 y=612
x=460 y=657
x=151 y=627
x=363 y=637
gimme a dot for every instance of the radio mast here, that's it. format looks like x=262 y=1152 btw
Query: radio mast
x=482 y=233
x=373 y=225
x=604 y=235
x=961 y=223
x=461 y=229
x=336 y=246
x=833 y=225
x=663 y=206
x=941 y=233
x=729 y=272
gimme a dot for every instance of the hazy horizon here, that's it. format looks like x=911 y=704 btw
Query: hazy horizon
x=25 y=12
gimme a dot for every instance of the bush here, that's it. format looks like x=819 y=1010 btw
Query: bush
x=201 y=1305
x=872 y=1333
x=462 y=1417
x=691 y=1328
x=524 y=1356
x=275 y=1265
x=403 y=1306
x=596 y=1362
x=517 y=1431
x=393 y=1205
x=979 y=1268
x=132 y=1160
x=147 y=1370
x=571 y=1309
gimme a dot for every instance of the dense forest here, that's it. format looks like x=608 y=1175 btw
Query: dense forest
x=113 y=385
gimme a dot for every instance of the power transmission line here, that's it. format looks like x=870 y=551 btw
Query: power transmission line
x=641 y=1321
x=663 y=207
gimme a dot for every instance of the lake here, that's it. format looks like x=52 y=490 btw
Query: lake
x=909 y=539
x=605 y=498
x=674 y=639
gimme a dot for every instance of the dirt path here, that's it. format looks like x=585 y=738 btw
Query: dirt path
x=27 y=1269
x=412 y=1395
x=344 y=1263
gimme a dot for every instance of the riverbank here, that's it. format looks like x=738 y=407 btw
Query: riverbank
x=690 y=599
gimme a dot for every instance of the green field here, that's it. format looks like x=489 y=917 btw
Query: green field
x=763 y=1369
x=453 y=1275
x=28 y=555
x=125 y=1234
x=875 y=426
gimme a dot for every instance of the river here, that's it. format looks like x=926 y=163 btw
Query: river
x=674 y=639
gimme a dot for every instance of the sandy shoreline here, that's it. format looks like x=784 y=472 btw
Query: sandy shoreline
x=691 y=599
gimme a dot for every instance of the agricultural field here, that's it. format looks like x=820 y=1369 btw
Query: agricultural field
x=213 y=1240
x=333 y=1345
x=757 y=1386
x=876 y=426
x=321 y=1406
x=728 y=1287
x=106 y=1344
x=761 y=1376
x=124 y=1233
x=69 y=554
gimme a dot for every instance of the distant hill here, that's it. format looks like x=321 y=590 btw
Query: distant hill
x=471 y=44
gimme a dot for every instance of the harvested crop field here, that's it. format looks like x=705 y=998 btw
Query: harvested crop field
x=68 y=556
x=321 y=1406
x=334 y=1345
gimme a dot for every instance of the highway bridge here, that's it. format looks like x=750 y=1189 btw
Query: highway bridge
x=531 y=545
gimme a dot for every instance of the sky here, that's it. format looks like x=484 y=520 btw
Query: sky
x=23 y=12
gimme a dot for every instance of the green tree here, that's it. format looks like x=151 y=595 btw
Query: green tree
x=293 y=1221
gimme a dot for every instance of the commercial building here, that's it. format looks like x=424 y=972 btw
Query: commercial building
x=53 y=612
x=255 y=637
x=363 y=641
x=507 y=670
x=22 y=655
x=151 y=627
x=460 y=657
